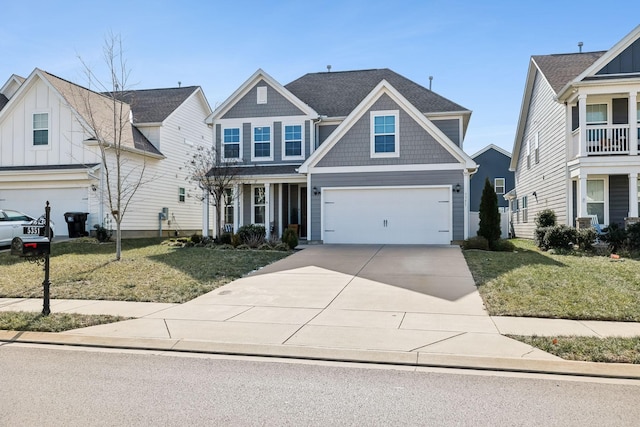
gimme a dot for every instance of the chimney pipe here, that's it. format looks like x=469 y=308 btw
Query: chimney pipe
x=430 y=80
x=580 y=44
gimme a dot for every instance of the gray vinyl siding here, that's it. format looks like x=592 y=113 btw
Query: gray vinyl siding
x=548 y=178
x=276 y=143
x=276 y=106
x=493 y=164
x=618 y=199
x=368 y=179
x=416 y=145
x=324 y=131
x=451 y=128
x=246 y=204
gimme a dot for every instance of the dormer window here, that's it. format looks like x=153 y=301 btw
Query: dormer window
x=40 y=129
x=384 y=134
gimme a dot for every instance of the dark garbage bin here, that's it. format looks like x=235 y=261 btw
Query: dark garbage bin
x=76 y=223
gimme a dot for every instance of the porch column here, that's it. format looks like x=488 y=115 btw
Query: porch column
x=268 y=214
x=236 y=207
x=633 y=124
x=633 y=194
x=582 y=190
x=582 y=121
x=205 y=214
x=280 y=209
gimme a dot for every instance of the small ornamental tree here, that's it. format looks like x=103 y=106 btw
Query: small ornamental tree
x=489 y=215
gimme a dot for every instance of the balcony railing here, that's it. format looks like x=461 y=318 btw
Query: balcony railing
x=605 y=140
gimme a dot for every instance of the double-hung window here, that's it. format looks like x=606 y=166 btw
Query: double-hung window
x=41 y=129
x=525 y=213
x=498 y=185
x=536 y=149
x=293 y=141
x=262 y=143
x=259 y=204
x=595 y=199
x=384 y=134
x=228 y=206
x=182 y=194
x=231 y=143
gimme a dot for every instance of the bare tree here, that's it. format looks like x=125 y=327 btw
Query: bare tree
x=214 y=177
x=110 y=121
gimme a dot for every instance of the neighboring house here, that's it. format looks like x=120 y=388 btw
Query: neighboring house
x=49 y=152
x=493 y=163
x=576 y=146
x=346 y=157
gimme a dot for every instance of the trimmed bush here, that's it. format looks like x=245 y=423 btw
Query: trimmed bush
x=252 y=235
x=265 y=247
x=538 y=237
x=504 y=245
x=281 y=247
x=615 y=236
x=477 y=242
x=546 y=218
x=290 y=238
x=633 y=236
x=585 y=239
x=196 y=238
x=560 y=237
x=224 y=239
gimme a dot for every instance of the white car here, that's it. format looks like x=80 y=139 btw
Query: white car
x=17 y=224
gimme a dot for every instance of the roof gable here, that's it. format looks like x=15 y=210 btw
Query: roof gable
x=381 y=89
x=492 y=147
x=154 y=105
x=561 y=69
x=248 y=85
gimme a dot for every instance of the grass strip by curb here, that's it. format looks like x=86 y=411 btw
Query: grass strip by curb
x=55 y=322
x=587 y=349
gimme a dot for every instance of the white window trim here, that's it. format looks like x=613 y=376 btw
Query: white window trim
x=261 y=94
x=495 y=185
x=182 y=193
x=228 y=205
x=302 y=142
x=222 y=144
x=253 y=142
x=254 y=205
x=374 y=114
x=41 y=147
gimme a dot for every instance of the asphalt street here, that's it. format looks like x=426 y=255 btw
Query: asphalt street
x=52 y=386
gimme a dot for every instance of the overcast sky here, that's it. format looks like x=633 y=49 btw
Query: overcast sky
x=476 y=51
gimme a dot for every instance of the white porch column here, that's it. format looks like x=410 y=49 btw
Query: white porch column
x=280 y=213
x=633 y=124
x=582 y=121
x=205 y=214
x=268 y=210
x=236 y=207
x=582 y=190
x=466 y=185
x=633 y=194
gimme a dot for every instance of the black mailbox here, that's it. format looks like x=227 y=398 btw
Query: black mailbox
x=30 y=247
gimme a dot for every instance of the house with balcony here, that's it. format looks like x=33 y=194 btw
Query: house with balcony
x=364 y=156
x=576 y=145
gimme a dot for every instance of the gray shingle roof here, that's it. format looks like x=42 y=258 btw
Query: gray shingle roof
x=267 y=170
x=337 y=94
x=560 y=69
x=155 y=105
x=48 y=167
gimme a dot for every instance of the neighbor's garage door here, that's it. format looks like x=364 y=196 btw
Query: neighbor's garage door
x=394 y=215
x=61 y=200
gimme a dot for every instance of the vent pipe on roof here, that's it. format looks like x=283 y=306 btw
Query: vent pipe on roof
x=580 y=44
x=430 y=80
x=179 y=84
x=328 y=68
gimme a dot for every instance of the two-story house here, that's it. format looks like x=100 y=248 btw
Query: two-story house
x=576 y=145
x=49 y=152
x=346 y=157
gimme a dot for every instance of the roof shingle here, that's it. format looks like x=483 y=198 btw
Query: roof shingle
x=154 y=105
x=560 y=69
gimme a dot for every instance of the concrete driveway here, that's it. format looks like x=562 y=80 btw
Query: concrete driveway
x=358 y=297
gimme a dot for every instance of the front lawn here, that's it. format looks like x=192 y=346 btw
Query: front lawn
x=148 y=271
x=55 y=322
x=588 y=349
x=532 y=283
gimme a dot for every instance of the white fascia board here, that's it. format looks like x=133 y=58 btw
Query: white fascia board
x=387 y=168
x=382 y=88
x=271 y=179
x=248 y=85
x=489 y=147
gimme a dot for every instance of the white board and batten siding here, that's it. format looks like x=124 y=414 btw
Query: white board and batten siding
x=388 y=215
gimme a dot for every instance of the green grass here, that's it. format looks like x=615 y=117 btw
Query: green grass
x=532 y=283
x=55 y=322
x=148 y=271
x=588 y=349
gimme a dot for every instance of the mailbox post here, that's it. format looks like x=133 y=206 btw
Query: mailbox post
x=35 y=249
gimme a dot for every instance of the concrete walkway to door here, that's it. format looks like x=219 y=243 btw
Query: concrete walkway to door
x=412 y=299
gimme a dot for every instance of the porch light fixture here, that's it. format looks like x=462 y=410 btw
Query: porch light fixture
x=457 y=188
x=316 y=191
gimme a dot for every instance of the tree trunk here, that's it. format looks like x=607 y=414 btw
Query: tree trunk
x=118 y=241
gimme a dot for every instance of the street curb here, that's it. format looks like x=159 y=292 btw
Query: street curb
x=417 y=359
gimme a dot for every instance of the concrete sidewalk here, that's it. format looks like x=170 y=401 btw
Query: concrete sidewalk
x=399 y=304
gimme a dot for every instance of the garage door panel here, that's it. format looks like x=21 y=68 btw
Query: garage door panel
x=399 y=215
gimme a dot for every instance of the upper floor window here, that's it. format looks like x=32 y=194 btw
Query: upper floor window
x=384 y=134
x=262 y=142
x=528 y=153
x=293 y=141
x=498 y=185
x=41 y=129
x=536 y=149
x=231 y=143
x=597 y=114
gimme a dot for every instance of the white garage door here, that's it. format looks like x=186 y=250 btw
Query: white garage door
x=394 y=215
x=61 y=200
